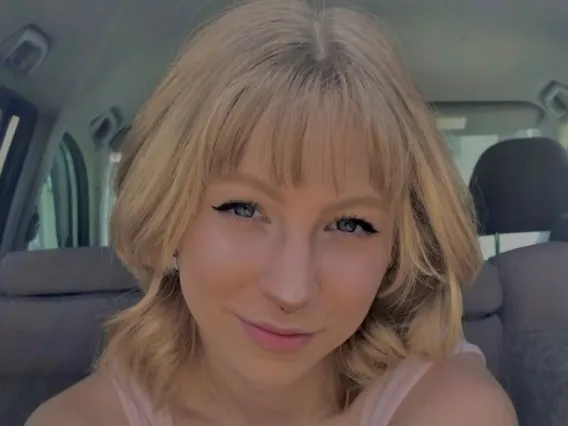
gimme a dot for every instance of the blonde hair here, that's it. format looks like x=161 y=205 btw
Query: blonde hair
x=287 y=57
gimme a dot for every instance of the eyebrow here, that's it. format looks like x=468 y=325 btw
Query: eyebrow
x=365 y=200
x=255 y=183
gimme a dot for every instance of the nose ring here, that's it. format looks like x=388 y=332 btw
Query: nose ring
x=289 y=311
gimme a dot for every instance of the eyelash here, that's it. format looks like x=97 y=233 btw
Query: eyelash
x=364 y=225
x=226 y=207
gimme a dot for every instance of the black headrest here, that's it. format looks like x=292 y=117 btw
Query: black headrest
x=519 y=185
x=63 y=271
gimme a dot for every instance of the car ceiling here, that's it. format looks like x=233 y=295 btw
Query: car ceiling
x=113 y=52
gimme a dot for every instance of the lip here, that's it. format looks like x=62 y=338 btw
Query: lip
x=277 y=339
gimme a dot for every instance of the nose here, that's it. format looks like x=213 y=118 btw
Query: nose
x=289 y=280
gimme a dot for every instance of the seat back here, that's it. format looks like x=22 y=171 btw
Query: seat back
x=535 y=320
x=519 y=192
x=53 y=305
x=482 y=324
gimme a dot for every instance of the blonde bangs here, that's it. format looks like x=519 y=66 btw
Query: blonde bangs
x=303 y=110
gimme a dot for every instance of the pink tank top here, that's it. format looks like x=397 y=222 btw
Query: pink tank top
x=378 y=409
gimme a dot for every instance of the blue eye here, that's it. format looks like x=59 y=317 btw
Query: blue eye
x=243 y=209
x=352 y=225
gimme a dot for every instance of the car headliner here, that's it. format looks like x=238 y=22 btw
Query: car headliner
x=112 y=52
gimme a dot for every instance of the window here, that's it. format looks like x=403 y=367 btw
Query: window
x=18 y=119
x=112 y=158
x=61 y=218
x=6 y=142
x=108 y=196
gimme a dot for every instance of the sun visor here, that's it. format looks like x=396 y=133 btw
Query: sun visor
x=482 y=118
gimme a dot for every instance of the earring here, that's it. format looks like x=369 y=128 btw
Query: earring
x=176 y=263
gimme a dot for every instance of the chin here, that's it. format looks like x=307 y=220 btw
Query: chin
x=273 y=373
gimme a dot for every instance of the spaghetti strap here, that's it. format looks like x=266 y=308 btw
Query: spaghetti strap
x=136 y=406
x=465 y=347
x=382 y=402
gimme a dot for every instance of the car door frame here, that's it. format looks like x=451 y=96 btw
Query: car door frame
x=22 y=180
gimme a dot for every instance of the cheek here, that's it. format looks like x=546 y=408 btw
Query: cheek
x=217 y=258
x=350 y=280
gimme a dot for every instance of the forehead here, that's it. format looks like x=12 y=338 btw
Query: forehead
x=318 y=150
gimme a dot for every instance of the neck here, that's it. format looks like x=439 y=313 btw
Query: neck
x=304 y=401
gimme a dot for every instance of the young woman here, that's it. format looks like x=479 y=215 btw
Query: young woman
x=301 y=236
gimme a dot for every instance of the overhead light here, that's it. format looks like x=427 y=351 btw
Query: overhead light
x=25 y=50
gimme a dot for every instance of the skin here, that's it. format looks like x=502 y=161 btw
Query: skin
x=255 y=246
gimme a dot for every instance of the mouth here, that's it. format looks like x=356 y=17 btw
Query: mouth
x=276 y=339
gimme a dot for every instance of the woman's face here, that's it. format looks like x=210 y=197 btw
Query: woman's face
x=278 y=276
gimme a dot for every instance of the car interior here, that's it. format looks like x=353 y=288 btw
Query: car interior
x=73 y=74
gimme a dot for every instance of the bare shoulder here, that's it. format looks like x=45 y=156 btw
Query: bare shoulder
x=91 y=402
x=461 y=391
